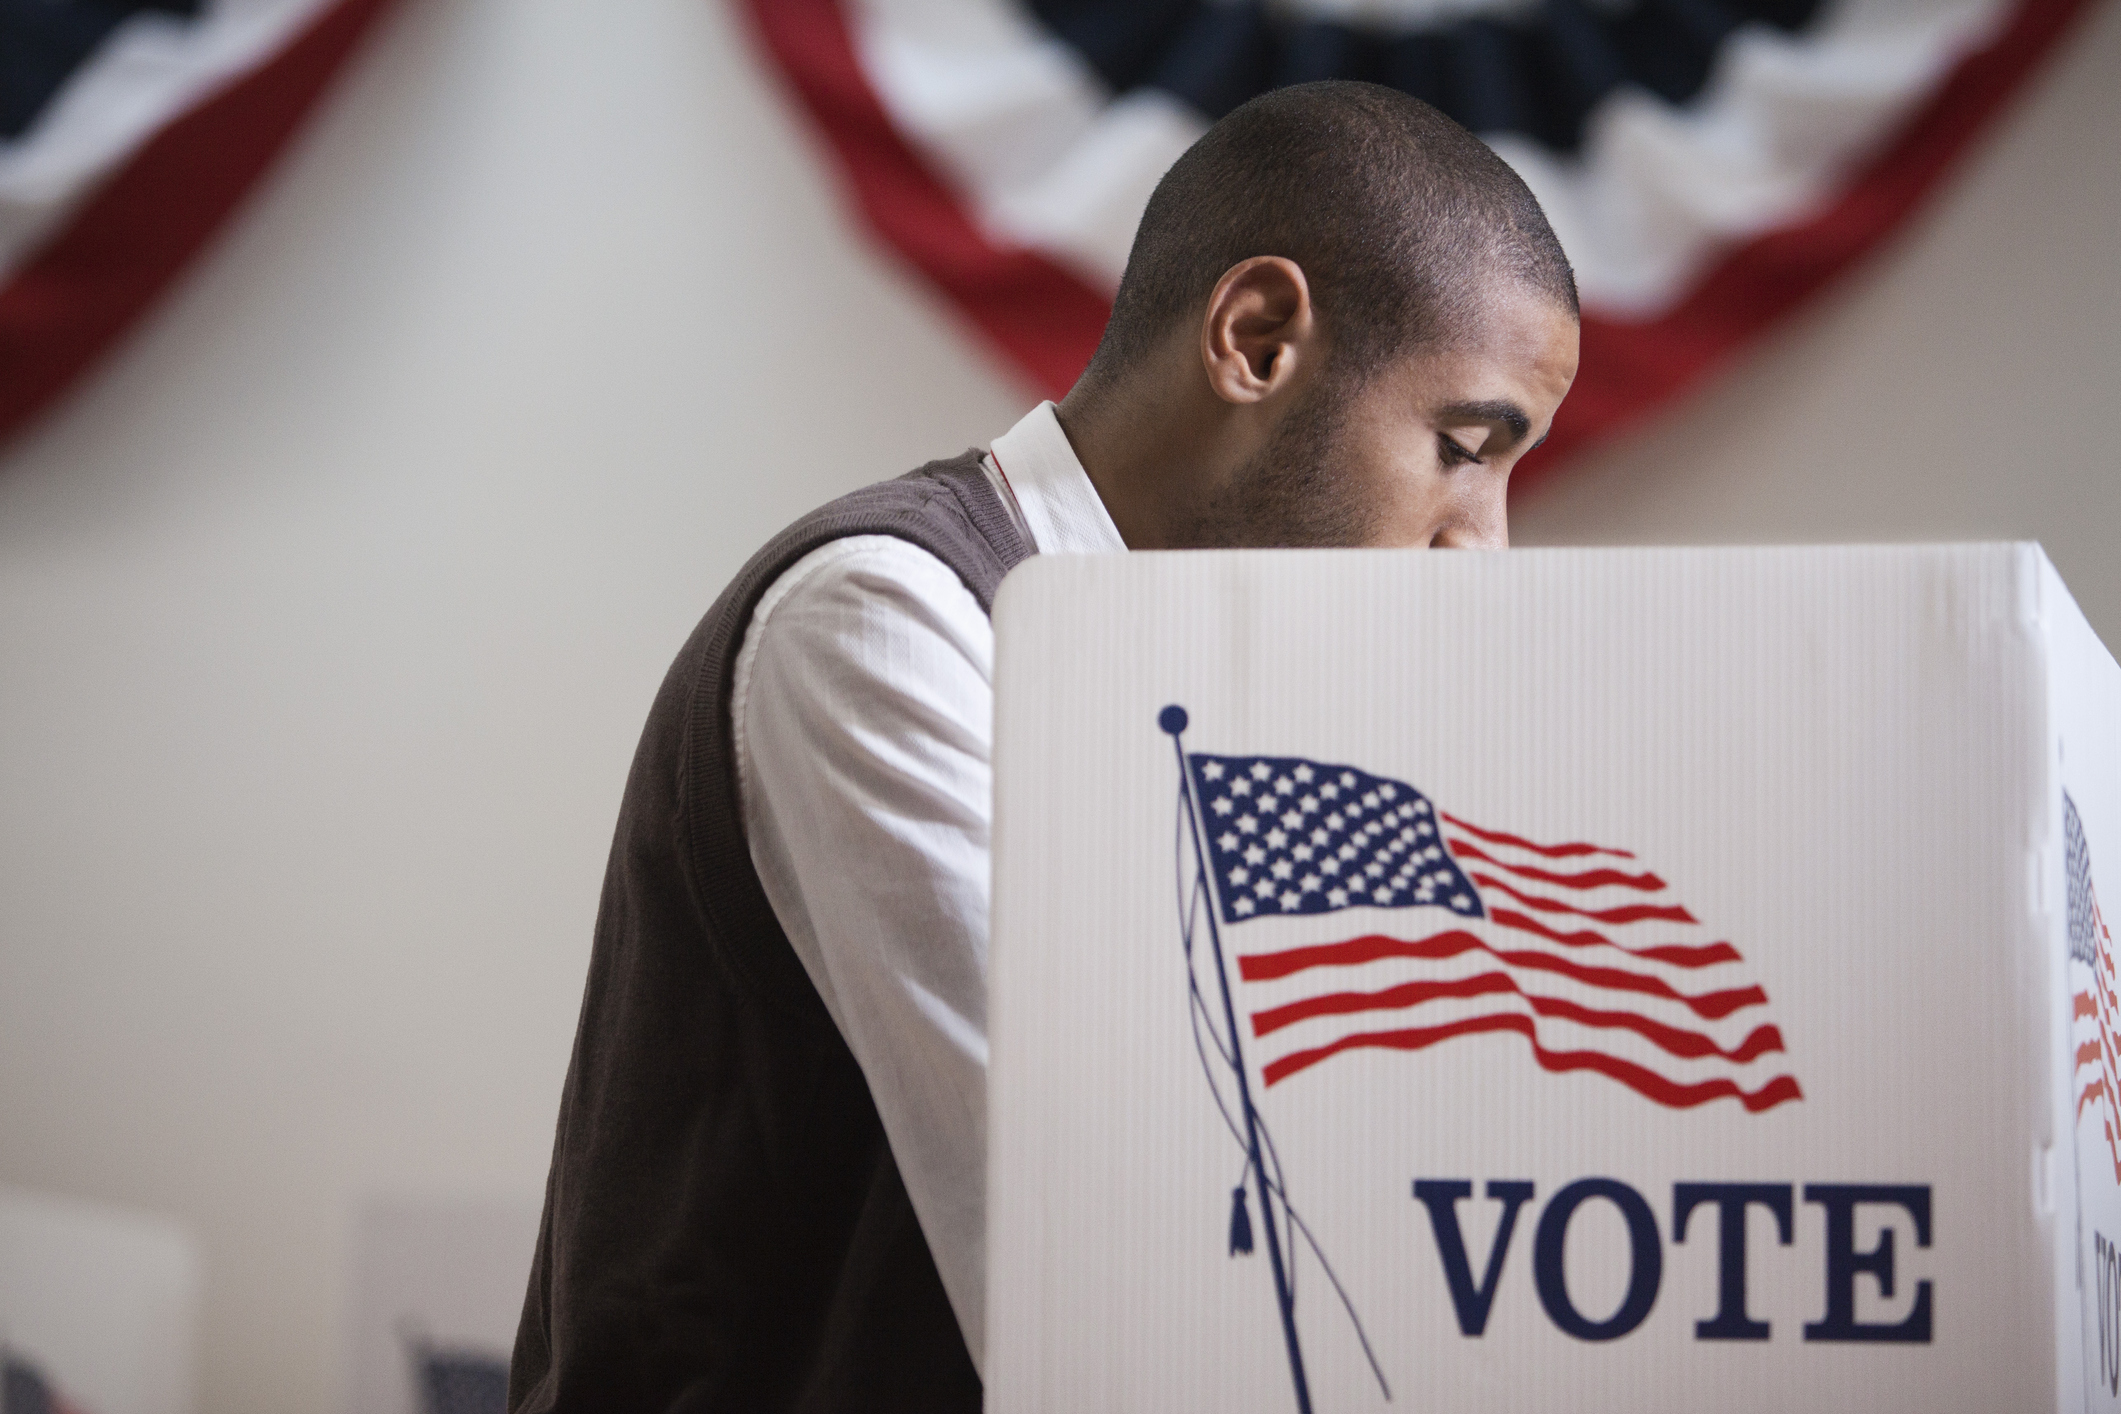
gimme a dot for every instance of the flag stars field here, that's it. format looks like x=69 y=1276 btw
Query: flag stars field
x=1375 y=844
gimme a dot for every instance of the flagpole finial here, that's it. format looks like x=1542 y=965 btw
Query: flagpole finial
x=1172 y=719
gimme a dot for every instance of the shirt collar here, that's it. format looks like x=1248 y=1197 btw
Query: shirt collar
x=1060 y=507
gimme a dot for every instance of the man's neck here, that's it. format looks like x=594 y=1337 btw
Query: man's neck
x=1147 y=446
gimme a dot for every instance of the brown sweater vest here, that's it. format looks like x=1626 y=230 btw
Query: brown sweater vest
x=725 y=1228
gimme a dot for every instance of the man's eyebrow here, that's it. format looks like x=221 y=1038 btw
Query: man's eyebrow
x=1500 y=410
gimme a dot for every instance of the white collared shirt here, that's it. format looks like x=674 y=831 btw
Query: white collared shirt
x=863 y=721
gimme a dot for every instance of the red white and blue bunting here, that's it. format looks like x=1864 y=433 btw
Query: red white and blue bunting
x=129 y=129
x=1708 y=164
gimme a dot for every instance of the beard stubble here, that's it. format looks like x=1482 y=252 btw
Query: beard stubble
x=1293 y=493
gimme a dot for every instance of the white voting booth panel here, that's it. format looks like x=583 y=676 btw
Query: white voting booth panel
x=1562 y=980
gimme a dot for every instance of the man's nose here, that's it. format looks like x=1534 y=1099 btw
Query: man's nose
x=1479 y=523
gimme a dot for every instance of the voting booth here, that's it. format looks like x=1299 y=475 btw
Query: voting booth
x=1561 y=980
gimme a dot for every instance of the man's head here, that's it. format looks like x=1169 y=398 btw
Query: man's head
x=1343 y=320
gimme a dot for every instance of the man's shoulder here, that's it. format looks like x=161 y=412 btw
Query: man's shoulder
x=946 y=509
x=875 y=580
x=948 y=493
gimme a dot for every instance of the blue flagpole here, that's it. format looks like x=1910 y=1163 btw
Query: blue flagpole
x=1173 y=720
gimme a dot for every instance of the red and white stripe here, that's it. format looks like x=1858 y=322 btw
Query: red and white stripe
x=2096 y=1015
x=134 y=164
x=1586 y=955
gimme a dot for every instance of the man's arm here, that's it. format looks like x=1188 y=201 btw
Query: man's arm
x=863 y=708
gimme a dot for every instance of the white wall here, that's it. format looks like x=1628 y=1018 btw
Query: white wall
x=330 y=609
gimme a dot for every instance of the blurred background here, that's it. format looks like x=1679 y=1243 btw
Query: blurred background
x=340 y=559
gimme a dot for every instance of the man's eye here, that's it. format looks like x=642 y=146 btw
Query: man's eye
x=1452 y=454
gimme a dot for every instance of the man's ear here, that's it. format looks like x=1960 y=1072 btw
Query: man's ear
x=1259 y=327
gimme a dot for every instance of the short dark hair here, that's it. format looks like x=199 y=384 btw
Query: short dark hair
x=1400 y=218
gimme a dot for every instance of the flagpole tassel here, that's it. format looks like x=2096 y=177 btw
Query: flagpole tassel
x=1240 y=1223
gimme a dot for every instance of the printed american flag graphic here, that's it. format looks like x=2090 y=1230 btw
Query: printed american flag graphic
x=2091 y=952
x=1578 y=948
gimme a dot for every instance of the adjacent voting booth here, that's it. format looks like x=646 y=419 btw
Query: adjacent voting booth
x=1561 y=980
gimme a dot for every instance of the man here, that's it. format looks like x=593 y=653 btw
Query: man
x=1342 y=322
